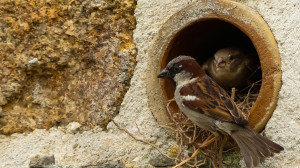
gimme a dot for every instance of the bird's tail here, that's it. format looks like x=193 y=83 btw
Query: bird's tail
x=254 y=147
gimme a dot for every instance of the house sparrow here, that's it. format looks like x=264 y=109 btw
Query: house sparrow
x=231 y=66
x=208 y=105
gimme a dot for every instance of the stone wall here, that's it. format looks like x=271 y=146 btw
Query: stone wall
x=63 y=62
x=52 y=68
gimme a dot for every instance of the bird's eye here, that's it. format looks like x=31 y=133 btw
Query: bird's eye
x=230 y=57
x=177 y=68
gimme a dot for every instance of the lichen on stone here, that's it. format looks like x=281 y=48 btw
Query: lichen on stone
x=64 y=61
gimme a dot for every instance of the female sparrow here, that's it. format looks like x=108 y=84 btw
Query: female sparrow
x=231 y=66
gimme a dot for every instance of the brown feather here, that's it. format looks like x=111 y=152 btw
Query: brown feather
x=201 y=98
x=190 y=66
x=212 y=100
x=254 y=147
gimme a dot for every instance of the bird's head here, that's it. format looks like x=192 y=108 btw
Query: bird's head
x=182 y=69
x=226 y=56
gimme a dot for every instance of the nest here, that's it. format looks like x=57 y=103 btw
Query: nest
x=189 y=133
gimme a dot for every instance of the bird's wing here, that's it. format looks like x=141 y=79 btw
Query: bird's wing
x=207 y=97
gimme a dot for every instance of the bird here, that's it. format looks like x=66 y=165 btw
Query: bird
x=232 y=66
x=209 y=106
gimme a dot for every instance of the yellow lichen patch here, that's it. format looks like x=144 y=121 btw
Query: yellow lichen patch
x=173 y=151
x=64 y=61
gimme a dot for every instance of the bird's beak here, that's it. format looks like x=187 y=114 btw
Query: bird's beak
x=164 y=74
x=220 y=63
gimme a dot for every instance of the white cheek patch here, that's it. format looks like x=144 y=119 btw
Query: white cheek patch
x=190 y=98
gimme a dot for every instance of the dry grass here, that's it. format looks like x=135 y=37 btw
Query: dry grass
x=188 y=133
x=246 y=97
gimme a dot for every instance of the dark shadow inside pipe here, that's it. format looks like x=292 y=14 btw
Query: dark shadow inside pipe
x=201 y=40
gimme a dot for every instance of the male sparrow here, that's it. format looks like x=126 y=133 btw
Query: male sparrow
x=231 y=66
x=208 y=105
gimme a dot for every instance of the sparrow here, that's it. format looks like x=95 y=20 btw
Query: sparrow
x=231 y=66
x=209 y=106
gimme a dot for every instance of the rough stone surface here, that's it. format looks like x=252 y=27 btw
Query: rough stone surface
x=118 y=164
x=284 y=126
x=41 y=161
x=97 y=147
x=64 y=61
x=73 y=127
x=159 y=160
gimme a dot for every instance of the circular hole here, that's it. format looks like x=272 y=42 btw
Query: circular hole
x=199 y=30
x=201 y=40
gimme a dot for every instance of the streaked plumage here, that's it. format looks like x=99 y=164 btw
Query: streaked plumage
x=208 y=105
